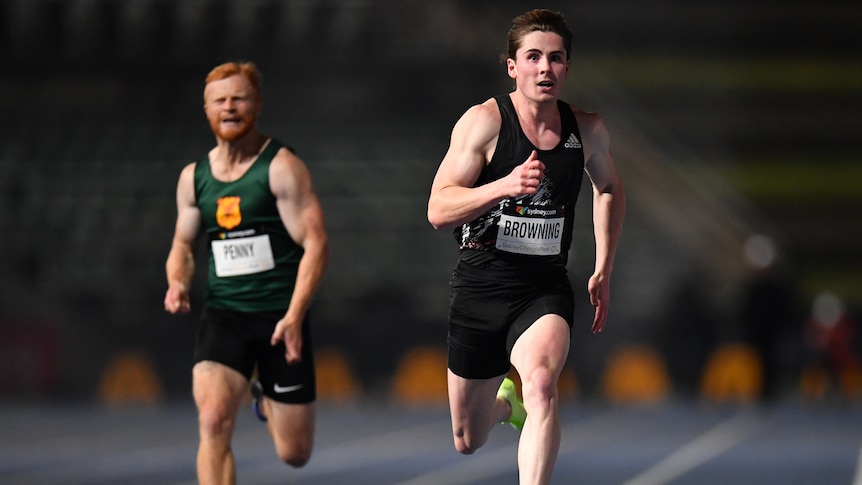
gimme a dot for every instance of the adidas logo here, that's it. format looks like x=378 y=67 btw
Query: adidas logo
x=573 y=142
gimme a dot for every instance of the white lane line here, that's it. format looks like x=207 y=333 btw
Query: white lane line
x=857 y=478
x=710 y=444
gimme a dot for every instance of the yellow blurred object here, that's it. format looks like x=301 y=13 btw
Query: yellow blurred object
x=635 y=374
x=817 y=381
x=850 y=381
x=421 y=377
x=567 y=385
x=335 y=381
x=130 y=378
x=734 y=372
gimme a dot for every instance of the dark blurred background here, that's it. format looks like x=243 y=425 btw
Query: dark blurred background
x=735 y=127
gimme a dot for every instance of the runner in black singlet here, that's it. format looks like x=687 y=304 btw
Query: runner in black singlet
x=508 y=185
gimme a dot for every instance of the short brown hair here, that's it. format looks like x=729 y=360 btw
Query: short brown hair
x=228 y=69
x=540 y=20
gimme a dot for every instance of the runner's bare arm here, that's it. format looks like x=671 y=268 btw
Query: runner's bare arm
x=180 y=265
x=454 y=200
x=609 y=205
x=302 y=216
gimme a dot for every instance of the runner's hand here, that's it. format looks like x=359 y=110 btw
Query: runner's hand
x=526 y=177
x=177 y=300
x=599 y=289
x=291 y=334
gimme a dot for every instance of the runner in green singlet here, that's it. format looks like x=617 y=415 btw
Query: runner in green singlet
x=254 y=200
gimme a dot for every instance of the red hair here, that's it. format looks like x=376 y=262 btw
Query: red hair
x=228 y=69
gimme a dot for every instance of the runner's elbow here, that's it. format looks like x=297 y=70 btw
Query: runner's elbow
x=436 y=218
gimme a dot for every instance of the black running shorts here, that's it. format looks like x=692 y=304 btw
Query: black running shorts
x=241 y=341
x=489 y=309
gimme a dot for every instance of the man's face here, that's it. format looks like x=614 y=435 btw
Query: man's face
x=232 y=106
x=540 y=66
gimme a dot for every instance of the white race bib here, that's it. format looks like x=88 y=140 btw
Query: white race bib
x=243 y=255
x=531 y=232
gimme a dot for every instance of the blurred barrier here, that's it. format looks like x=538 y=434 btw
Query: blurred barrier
x=130 y=378
x=421 y=377
x=734 y=372
x=635 y=374
x=336 y=381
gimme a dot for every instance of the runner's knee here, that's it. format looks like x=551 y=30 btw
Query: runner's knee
x=467 y=443
x=216 y=422
x=539 y=388
x=296 y=455
x=465 y=446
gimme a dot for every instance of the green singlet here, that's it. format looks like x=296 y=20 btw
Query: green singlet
x=252 y=259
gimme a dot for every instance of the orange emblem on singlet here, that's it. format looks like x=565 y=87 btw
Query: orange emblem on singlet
x=228 y=215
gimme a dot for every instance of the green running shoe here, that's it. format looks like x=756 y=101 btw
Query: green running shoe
x=508 y=392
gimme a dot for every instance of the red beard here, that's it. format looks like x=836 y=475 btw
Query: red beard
x=232 y=131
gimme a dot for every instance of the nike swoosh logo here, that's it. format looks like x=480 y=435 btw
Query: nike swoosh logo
x=281 y=390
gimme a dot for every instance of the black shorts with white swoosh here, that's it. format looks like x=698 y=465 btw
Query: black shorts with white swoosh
x=241 y=341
